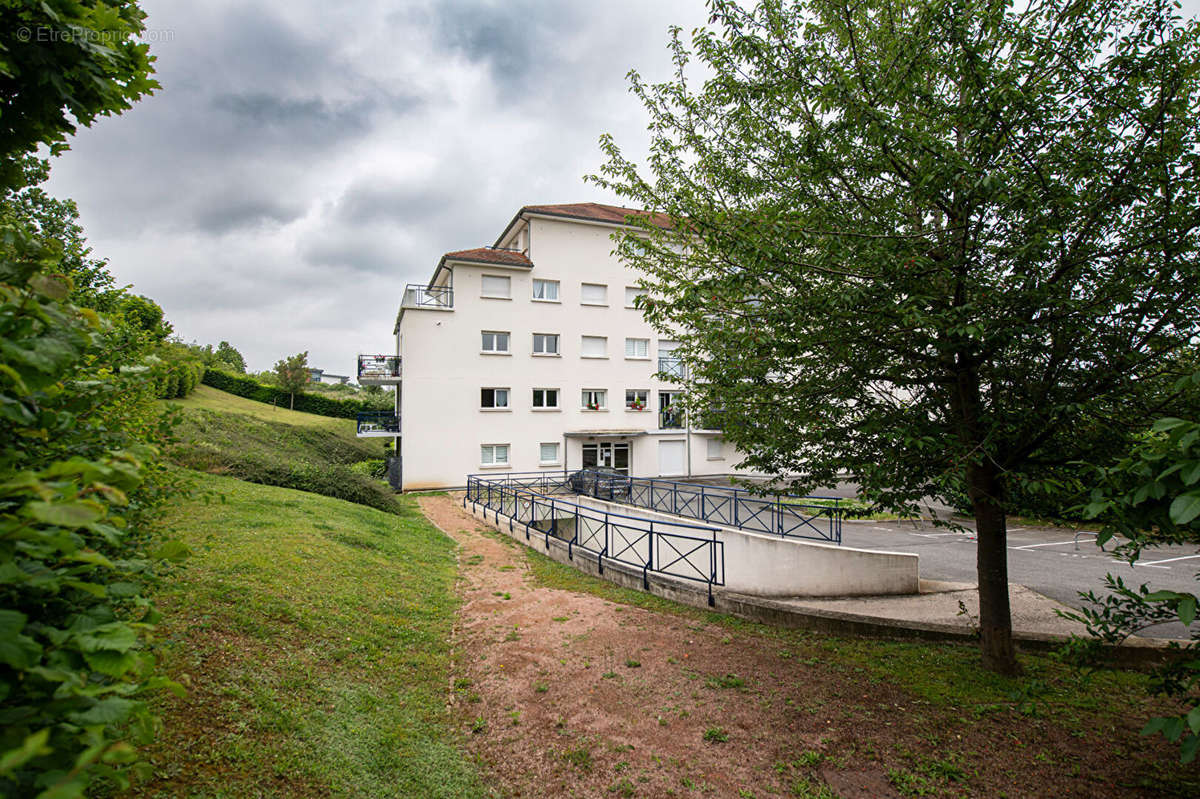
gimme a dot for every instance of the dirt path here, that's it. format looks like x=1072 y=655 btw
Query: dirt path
x=567 y=694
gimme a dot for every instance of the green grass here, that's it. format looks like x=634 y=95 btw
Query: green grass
x=228 y=435
x=314 y=635
x=211 y=399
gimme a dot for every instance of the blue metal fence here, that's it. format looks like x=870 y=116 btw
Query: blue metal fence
x=788 y=516
x=676 y=549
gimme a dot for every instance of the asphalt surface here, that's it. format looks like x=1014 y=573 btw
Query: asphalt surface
x=1044 y=559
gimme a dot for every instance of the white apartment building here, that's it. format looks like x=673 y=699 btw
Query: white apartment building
x=529 y=356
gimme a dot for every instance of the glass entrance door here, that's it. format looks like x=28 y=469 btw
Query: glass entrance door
x=607 y=455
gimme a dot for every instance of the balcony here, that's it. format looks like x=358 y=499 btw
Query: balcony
x=417 y=295
x=670 y=419
x=378 y=370
x=377 y=424
x=672 y=366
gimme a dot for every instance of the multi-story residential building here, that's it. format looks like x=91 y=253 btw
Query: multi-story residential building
x=530 y=355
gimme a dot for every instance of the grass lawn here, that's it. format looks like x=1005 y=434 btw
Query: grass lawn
x=212 y=399
x=314 y=637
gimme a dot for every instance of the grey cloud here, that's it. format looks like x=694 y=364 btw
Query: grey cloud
x=221 y=214
x=397 y=202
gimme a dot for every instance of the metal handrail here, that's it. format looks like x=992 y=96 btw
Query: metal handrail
x=378 y=421
x=612 y=537
x=782 y=515
x=422 y=296
x=378 y=366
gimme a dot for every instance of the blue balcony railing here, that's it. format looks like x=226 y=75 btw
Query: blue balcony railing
x=378 y=369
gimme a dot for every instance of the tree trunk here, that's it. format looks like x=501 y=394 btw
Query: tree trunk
x=291 y=402
x=995 y=618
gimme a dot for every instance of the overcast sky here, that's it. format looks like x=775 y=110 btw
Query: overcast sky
x=304 y=160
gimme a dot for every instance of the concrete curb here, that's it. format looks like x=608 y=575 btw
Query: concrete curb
x=1139 y=654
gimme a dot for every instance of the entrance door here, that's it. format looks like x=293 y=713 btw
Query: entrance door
x=607 y=455
x=672 y=458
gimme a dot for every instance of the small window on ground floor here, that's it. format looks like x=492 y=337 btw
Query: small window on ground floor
x=548 y=452
x=493 y=454
x=716 y=448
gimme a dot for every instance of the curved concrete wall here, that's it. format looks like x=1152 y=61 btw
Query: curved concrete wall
x=771 y=566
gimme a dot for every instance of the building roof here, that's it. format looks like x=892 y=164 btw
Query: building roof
x=489 y=255
x=595 y=212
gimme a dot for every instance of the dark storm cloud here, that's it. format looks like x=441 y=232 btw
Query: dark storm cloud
x=306 y=159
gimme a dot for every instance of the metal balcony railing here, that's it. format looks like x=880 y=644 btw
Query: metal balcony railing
x=378 y=423
x=375 y=369
x=670 y=418
x=672 y=366
x=417 y=295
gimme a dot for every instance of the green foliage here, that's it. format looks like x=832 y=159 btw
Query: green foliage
x=1152 y=497
x=65 y=64
x=74 y=554
x=230 y=357
x=279 y=454
x=250 y=388
x=945 y=246
x=292 y=374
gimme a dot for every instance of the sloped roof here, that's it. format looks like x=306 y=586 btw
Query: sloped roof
x=489 y=255
x=596 y=212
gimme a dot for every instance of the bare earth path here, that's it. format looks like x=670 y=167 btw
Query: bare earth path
x=567 y=694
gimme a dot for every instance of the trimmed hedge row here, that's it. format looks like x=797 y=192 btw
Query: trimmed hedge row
x=176 y=379
x=321 y=405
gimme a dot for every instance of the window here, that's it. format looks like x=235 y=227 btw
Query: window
x=495 y=341
x=493 y=455
x=545 y=344
x=548 y=453
x=631 y=295
x=493 y=398
x=545 y=398
x=594 y=347
x=716 y=448
x=595 y=399
x=593 y=294
x=545 y=290
x=496 y=286
x=637 y=399
x=637 y=348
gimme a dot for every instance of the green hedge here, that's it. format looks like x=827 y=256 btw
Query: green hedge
x=319 y=404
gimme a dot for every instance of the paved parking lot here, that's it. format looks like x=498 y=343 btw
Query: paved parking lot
x=1042 y=558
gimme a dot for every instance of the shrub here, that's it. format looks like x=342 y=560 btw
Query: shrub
x=319 y=404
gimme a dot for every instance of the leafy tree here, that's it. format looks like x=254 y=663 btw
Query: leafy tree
x=230 y=357
x=293 y=375
x=926 y=242
x=63 y=64
x=1149 y=498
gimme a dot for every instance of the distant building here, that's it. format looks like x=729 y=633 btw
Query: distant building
x=530 y=356
x=321 y=376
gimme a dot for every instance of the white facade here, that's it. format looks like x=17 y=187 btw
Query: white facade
x=501 y=361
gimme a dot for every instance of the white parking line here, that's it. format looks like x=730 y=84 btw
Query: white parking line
x=1169 y=560
x=1050 y=544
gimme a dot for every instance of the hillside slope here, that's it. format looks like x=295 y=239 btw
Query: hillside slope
x=228 y=435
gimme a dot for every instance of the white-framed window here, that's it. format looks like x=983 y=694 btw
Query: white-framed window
x=593 y=294
x=493 y=398
x=637 y=399
x=493 y=454
x=494 y=341
x=496 y=287
x=637 y=348
x=716 y=448
x=545 y=344
x=545 y=290
x=631 y=295
x=548 y=453
x=545 y=398
x=593 y=347
x=594 y=399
